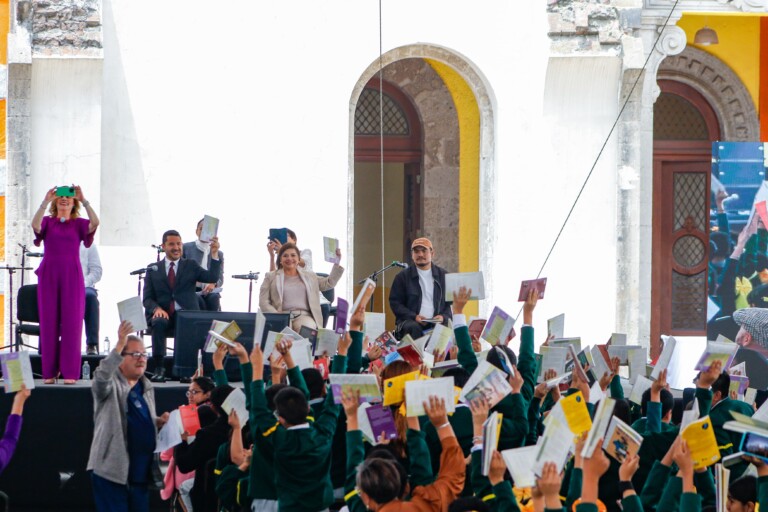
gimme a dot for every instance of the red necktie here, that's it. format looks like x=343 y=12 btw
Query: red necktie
x=172 y=285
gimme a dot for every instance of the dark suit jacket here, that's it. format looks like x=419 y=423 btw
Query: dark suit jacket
x=157 y=292
x=405 y=294
x=191 y=252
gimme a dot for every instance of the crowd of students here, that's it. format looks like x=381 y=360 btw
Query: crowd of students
x=300 y=451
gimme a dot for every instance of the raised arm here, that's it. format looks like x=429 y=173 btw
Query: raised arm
x=526 y=359
x=37 y=219
x=466 y=357
x=93 y=219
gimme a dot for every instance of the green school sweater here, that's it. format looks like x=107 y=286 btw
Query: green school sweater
x=762 y=492
x=301 y=457
x=500 y=496
x=514 y=428
x=232 y=488
x=728 y=441
x=261 y=476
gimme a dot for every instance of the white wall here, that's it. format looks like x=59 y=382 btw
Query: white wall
x=242 y=111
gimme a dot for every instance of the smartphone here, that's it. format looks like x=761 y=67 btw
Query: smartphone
x=65 y=191
x=279 y=234
x=755 y=445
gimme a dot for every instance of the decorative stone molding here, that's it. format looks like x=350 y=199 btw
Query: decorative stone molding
x=659 y=7
x=590 y=26
x=66 y=28
x=720 y=86
x=672 y=41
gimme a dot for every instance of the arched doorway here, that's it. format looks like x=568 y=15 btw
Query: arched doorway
x=702 y=100
x=684 y=127
x=456 y=186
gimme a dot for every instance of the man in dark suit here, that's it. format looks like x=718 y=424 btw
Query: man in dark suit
x=170 y=286
x=209 y=294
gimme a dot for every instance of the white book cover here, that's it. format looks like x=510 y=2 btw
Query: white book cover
x=418 y=391
x=132 y=310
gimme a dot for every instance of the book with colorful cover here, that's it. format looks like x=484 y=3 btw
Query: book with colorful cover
x=621 y=440
x=540 y=285
x=190 y=421
x=723 y=350
x=394 y=388
x=230 y=331
x=410 y=351
x=700 y=436
x=342 y=312
x=498 y=327
x=387 y=342
x=364 y=297
x=17 y=370
x=488 y=382
x=365 y=384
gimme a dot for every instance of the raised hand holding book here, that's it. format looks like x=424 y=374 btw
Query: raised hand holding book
x=540 y=285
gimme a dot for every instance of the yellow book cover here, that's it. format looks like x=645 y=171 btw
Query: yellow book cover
x=394 y=388
x=700 y=436
x=576 y=413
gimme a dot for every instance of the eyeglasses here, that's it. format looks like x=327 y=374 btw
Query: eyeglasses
x=136 y=355
x=193 y=392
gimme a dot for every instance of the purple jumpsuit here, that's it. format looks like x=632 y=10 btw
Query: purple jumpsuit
x=61 y=295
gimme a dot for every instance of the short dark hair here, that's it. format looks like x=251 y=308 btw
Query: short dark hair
x=291 y=233
x=387 y=452
x=314 y=380
x=205 y=383
x=200 y=221
x=743 y=489
x=379 y=479
x=621 y=410
x=170 y=232
x=271 y=392
x=667 y=402
x=218 y=395
x=291 y=405
x=722 y=384
x=494 y=359
x=283 y=249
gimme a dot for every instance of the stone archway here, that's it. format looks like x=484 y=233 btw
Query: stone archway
x=720 y=86
x=483 y=96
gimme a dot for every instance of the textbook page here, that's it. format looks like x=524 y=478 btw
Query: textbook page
x=470 y=280
x=329 y=249
x=17 y=370
x=236 y=401
x=209 y=229
x=418 y=391
x=132 y=311
x=556 y=326
x=366 y=384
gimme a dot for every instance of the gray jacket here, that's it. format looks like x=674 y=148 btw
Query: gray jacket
x=109 y=448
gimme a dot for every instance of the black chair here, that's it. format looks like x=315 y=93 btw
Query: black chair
x=328 y=310
x=27 y=313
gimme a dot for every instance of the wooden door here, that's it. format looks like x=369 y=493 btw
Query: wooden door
x=681 y=247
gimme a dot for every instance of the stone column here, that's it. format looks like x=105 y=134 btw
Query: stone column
x=635 y=170
x=18 y=142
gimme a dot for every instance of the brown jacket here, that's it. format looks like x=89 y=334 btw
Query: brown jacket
x=437 y=496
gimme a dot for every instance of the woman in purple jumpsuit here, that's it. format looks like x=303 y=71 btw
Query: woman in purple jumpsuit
x=61 y=289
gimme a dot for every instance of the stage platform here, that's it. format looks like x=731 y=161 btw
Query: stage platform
x=47 y=471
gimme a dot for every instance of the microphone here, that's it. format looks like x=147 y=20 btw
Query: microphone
x=399 y=264
x=34 y=254
x=142 y=270
x=252 y=275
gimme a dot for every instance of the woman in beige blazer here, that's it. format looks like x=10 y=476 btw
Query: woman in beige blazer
x=291 y=289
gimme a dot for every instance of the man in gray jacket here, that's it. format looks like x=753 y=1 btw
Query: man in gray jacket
x=125 y=427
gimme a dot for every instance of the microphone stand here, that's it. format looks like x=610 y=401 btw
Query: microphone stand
x=23 y=260
x=251 y=277
x=375 y=278
x=11 y=271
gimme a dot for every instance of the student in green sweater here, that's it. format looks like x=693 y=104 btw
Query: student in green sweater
x=514 y=407
x=722 y=405
x=301 y=450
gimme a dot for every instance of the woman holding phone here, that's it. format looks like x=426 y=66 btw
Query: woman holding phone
x=61 y=288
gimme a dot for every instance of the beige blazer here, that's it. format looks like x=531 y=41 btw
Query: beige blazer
x=271 y=294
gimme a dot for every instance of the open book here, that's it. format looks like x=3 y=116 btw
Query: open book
x=417 y=392
x=486 y=381
x=366 y=384
x=621 y=440
x=723 y=350
x=498 y=327
x=491 y=433
x=600 y=424
x=17 y=370
x=222 y=332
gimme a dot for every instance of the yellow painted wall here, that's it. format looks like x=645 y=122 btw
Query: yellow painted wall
x=4 y=28
x=739 y=46
x=469 y=169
